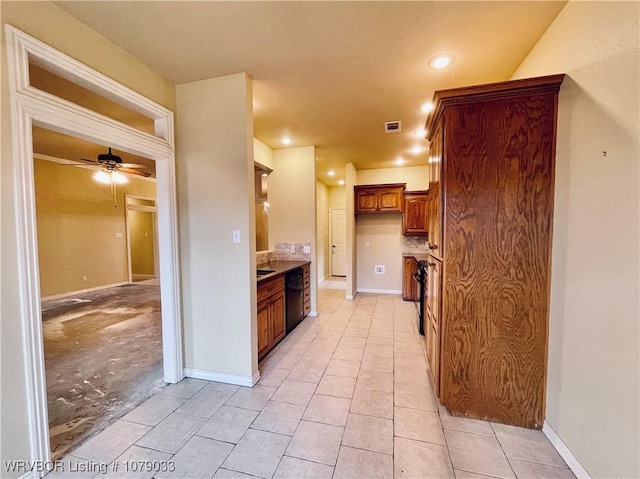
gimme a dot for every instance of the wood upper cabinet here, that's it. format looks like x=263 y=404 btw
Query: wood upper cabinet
x=492 y=198
x=415 y=214
x=410 y=286
x=379 y=198
x=271 y=314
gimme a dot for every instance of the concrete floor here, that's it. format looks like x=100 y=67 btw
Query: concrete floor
x=103 y=357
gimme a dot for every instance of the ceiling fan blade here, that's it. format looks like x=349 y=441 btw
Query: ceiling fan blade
x=132 y=171
x=90 y=161
x=133 y=165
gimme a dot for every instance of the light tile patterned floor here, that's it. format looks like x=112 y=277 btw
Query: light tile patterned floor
x=346 y=395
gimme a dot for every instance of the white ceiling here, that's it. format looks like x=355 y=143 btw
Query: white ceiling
x=329 y=73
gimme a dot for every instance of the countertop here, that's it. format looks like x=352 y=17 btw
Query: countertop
x=418 y=255
x=279 y=267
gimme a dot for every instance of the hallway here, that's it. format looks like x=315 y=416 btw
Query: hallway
x=346 y=395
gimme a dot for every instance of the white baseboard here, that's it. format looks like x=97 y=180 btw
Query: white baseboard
x=222 y=377
x=313 y=314
x=349 y=297
x=379 y=291
x=88 y=290
x=573 y=463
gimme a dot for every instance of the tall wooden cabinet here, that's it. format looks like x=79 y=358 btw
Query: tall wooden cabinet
x=490 y=215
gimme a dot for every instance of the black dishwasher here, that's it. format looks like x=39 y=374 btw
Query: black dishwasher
x=294 y=285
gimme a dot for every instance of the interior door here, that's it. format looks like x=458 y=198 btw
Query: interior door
x=338 y=240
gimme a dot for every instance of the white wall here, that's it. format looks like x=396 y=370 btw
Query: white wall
x=216 y=196
x=592 y=395
x=416 y=177
x=292 y=196
x=351 y=179
x=322 y=229
x=262 y=154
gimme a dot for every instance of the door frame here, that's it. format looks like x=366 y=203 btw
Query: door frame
x=145 y=209
x=29 y=107
x=331 y=210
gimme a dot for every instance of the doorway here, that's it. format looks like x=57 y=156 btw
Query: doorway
x=338 y=239
x=142 y=233
x=32 y=107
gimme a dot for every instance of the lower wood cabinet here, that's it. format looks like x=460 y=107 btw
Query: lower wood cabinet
x=271 y=315
x=410 y=287
x=306 y=298
x=432 y=319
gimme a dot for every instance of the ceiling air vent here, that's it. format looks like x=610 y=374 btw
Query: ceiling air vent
x=392 y=126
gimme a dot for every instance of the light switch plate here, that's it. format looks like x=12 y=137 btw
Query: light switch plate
x=306 y=249
x=292 y=249
x=236 y=236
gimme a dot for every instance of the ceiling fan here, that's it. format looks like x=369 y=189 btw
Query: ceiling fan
x=112 y=167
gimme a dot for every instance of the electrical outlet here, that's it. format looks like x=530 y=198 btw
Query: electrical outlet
x=426 y=244
x=84 y=277
x=306 y=249
x=366 y=243
x=292 y=249
x=118 y=235
x=379 y=269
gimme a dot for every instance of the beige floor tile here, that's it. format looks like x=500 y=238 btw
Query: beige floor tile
x=464 y=424
x=348 y=353
x=329 y=334
x=370 y=433
x=328 y=410
x=258 y=453
x=336 y=386
x=295 y=392
x=154 y=409
x=414 y=376
x=527 y=445
x=356 y=463
x=477 y=453
x=316 y=357
x=410 y=360
x=172 y=433
x=284 y=360
x=375 y=381
x=419 y=425
x=73 y=467
x=294 y=468
x=279 y=417
x=272 y=377
x=184 y=389
x=223 y=473
x=415 y=396
x=198 y=458
x=137 y=463
x=228 y=424
x=533 y=470
x=417 y=459
x=378 y=351
x=380 y=339
x=383 y=365
x=113 y=441
x=356 y=332
x=207 y=401
x=316 y=442
x=372 y=403
x=353 y=342
x=253 y=398
x=307 y=372
x=342 y=367
x=470 y=475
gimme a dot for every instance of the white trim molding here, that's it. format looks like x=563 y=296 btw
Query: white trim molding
x=565 y=453
x=81 y=291
x=29 y=107
x=379 y=291
x=246 y=381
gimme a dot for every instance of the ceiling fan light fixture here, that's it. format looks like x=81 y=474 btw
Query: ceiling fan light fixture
x=102 y=177
x=118 y=178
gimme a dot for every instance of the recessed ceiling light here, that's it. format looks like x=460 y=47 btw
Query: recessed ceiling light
x=341 y=182
x=399 y=161
x=286 y=140
x=441 y=61
x=426 y=107
x=417 y=149
x=331 y=173
x=420 y=133
x=265 y=174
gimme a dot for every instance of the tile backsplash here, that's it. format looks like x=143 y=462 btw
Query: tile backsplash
x=283 y=252
x=414 y=243
x=264 y=257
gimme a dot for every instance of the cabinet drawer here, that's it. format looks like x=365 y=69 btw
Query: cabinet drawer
x=270 y=287
x=307 y=307
x=306 y=271
x=306 y=295
x=307 y=283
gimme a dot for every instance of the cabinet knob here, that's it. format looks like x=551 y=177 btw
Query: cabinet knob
x=432 y=246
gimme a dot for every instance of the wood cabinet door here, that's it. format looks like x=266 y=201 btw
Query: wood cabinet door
x=390 y=200
x=278 y=328
x=409 y=267
x=414 y=217
x=264 y=340
x=366 y=201
x=435 y=307
x=435 y=217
